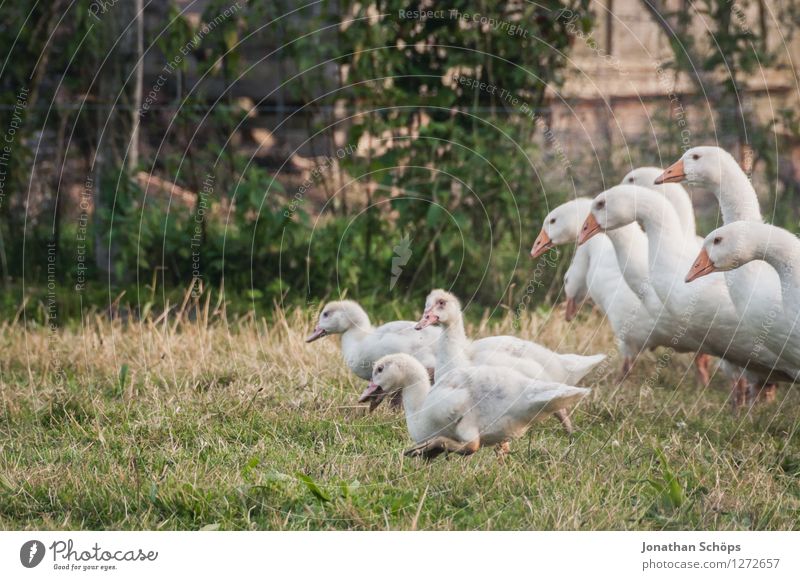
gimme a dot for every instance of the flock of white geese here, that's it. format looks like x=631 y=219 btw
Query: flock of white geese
x=734 y=295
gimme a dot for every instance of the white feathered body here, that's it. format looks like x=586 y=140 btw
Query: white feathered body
x=491 y=403
x=362 y=347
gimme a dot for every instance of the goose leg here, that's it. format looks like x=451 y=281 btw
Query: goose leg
x=627 y=365
x=739 y=394
x=702 y=362
x=432 y=448
x=564 y=419
x=769 y=393
x=502 y=449
x=764 y=393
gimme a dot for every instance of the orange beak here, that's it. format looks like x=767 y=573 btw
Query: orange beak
x=702 y=266
x=541 y=245
x=571 y=309
x=672 y=174
x=590 y=228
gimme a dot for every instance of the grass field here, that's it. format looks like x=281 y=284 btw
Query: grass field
x=192 y=425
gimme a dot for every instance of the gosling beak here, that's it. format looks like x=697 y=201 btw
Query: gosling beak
x=541 y=245
x=672 y=174
x=374 y=394
x=571 y=309
x=427 y=319
x=702 y=266
x=590 y=229
x=318 y=333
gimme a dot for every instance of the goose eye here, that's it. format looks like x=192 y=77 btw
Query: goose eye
x=717 y=240
x=379 y=369
x=630 y=180
x=441 y=303
x=552 y=220
x=325 y=314
x=601 y=204
x=695 y=157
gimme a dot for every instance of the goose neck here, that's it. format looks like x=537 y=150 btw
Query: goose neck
x=666 y=244
x=737 y=197
x=452 y=347
x=781 y=250
x=414 y=394
x=682 y=204
x=630 y=246
x=353 y=337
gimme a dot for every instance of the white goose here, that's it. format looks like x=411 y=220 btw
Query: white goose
x=363 y=344
x=740 y=243
x=469 y=407
x=706 y=311
x=454 y=348
x=754 y=288
x=562 y=226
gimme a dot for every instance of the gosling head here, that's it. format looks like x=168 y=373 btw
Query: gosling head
x=699 y=165
x=391 y=374
x=726 y=248
x=561 y=226
x=441 y=308
x=338 y=317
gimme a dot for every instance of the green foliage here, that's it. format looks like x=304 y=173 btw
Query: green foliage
x=313 y=488
x=448 y=161
x=458 y=172
x=669 y=492
x=460 y=158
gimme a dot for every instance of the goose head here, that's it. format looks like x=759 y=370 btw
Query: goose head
x=441 y=308
x=339 y=317
x=643 y=176
x=704 y=166
x=561 y=226
x=391 y=374
x=612 y=209
x=674 y=193
x=726 y=248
